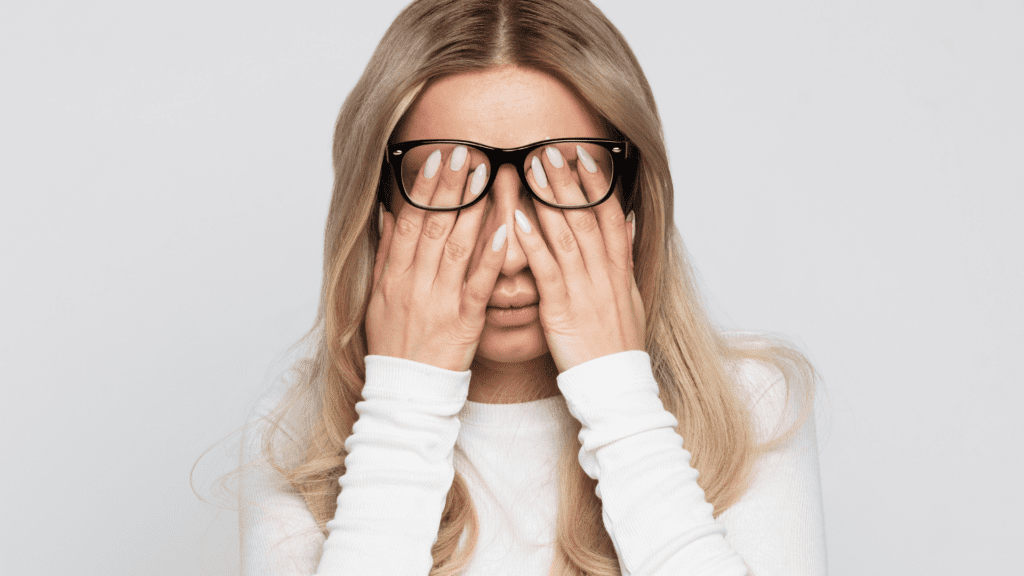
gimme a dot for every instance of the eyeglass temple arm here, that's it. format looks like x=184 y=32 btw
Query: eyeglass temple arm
x=630 y=165
x=384 y=184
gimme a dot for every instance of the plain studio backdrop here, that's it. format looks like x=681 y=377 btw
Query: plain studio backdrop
x=848 y=174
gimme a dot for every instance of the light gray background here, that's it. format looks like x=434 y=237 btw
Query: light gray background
x=849 y=174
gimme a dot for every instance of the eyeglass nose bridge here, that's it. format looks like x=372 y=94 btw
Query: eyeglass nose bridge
x=517 y=159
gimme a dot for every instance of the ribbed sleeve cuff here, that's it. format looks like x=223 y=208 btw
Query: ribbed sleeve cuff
x=596 y=380
x=401 y=380
x=614 y=397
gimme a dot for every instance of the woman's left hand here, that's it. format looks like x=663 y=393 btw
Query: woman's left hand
x=590 y=305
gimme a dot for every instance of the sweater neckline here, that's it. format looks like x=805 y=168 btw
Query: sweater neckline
x=547 y=412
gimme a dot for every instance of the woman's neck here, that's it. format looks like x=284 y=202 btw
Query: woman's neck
x=503 y=383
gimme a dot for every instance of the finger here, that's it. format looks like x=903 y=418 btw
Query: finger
x=552 y=222
x=546 y=270
x=437 y=225
x=564 y=183
x=387 y=229
x=575 y=234
x=458 y=249
x=410 y=218
x=593 y=175
x=616 y=233
x=478 y=288
x=596 y=183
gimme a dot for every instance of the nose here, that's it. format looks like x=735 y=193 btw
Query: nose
x=507 y=196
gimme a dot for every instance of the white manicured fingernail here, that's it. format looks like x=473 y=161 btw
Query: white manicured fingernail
x=554 y=156
x=499 y=238
x=631 y=218
x=433 y=163
x=524 y=224
x=586 y=159
x=479 y=180
x=380 y=220
x=458 y=158
x=538 y=173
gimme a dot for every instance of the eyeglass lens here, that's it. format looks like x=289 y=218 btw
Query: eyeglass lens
x=589 y=165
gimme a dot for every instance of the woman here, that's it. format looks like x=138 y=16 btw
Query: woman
x=512 y=372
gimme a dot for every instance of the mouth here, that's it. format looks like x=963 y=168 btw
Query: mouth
x=517 y=299
x=511 y=306
x=511 y=302
x=512 y=315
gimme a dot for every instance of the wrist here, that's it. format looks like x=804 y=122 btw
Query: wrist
x=608 y=376
x=409 y=381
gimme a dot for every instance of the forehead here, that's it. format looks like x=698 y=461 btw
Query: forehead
x=505 y=107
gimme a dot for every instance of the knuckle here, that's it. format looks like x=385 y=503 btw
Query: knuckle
x=434 y=228
x=455 y=251
x=475 y=295
x=405 y=227
x=586 y=223
x=618 y=223
x=565 y=240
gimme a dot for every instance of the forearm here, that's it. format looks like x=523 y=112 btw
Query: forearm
x=398 y=470
x=653 y=508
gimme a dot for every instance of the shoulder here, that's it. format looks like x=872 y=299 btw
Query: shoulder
x=776 y=401
x=278 y=410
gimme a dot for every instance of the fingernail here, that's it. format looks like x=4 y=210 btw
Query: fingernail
x=499 y=238
x=554 y=156
x=479 y=180
x=631 y=218
x=524 y=224
x=433 y=163
x=538 y=173
x=458 y=158
x=586 y=159
x=380 y=220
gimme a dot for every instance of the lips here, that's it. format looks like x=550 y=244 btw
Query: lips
x=512 y=317
x=516 y=300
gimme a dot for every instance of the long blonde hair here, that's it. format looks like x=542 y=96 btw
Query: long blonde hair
x=573 y=41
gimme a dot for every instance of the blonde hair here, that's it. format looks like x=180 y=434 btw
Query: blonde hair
x=573 y=41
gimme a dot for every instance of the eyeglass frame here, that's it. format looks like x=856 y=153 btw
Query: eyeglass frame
x=618 y=149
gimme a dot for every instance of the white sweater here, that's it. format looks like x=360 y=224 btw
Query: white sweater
x=415 y=428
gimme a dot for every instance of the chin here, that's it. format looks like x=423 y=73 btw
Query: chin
x=512 y=345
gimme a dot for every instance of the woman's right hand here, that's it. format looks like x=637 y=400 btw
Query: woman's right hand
x=423 y=306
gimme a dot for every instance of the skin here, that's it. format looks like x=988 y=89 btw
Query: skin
x=576 y=264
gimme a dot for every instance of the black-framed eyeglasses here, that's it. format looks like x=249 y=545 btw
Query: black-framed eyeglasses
x=594 y=164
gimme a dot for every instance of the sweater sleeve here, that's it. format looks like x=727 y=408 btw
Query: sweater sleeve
x=653 y=508
x=399 y=467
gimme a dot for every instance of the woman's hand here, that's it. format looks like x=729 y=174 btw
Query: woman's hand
x=590 y=305
x=423 y=307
